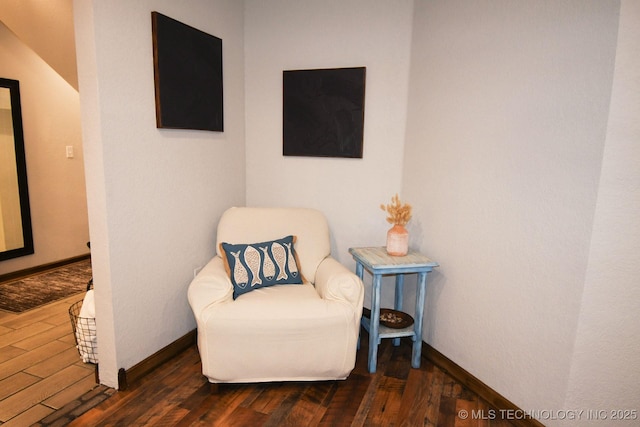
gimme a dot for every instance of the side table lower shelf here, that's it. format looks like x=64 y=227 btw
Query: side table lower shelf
x=387 y=332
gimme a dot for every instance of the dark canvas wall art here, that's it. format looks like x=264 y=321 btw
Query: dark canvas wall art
x=323 y=112
x=188 y=76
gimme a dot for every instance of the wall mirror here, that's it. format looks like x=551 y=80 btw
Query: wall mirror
x=16 y=238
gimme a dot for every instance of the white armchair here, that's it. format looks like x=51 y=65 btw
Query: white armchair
x=284 y=332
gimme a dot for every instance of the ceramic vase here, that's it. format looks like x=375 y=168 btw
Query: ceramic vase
x=397 y=241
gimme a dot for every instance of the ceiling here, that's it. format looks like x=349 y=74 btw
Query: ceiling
x=47 y=28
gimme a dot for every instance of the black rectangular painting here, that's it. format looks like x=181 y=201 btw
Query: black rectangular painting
x=323 y=112
x=188 y=76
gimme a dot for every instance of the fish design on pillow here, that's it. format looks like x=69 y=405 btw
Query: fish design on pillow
x=268 y=268
x=280 y=256
x=252 y=259
x=293 y=267
x=240 y=275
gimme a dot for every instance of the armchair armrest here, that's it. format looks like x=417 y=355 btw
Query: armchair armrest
x=210 y=286
x=335 y=282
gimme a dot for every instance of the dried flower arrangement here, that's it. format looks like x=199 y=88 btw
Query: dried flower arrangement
x=398 y=213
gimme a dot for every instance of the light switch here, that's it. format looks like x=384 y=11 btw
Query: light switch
x=69 y=151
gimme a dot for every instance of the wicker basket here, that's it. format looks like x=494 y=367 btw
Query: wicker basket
x=84 y=333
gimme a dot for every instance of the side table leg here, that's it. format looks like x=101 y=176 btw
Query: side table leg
x=360 y=274
x=417 y=343
x=398 y=300
x=374 y=326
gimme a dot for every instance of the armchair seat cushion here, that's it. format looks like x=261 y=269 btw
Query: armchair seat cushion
x=268 y=307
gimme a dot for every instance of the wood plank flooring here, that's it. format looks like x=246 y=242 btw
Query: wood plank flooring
x=40 y=368
x=176 y=394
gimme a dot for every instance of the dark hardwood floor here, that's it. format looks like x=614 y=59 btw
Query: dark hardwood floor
x=176 y=394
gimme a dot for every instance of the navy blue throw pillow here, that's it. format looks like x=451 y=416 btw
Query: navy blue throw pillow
x=258 y=265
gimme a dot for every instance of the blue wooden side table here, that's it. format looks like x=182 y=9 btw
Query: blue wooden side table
x=377 y=262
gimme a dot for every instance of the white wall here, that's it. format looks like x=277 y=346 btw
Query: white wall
x=154 y=195
x=605 y=365
x=506 y=127
x=51 y=121
x=292 y=35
